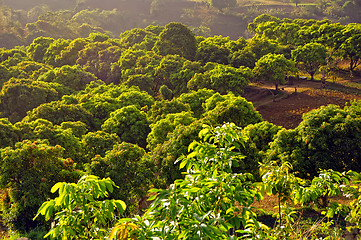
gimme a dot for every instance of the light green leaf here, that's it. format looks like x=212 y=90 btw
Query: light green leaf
x=56 y=187
x=120 y=204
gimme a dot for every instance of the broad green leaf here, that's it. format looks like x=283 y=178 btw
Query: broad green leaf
x=206 y=230
x=56 y=187
x=183 y=163
x=120 y=204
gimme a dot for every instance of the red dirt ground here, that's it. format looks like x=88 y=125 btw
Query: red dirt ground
x=286 y=108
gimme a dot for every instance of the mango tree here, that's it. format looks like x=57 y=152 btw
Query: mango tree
x=176 y=38
x=348 y=44
x=28 y=171
x=274 y=68
x=312 y=55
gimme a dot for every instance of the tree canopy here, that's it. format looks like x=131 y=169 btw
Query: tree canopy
x=273 y=68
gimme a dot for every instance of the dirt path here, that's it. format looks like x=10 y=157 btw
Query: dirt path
x=286 y=108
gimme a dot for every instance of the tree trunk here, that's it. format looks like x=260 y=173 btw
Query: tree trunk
x=279 y=209
x=324 y=203
x=312 y=76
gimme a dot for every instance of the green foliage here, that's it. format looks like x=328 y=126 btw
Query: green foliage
x=154 y=29
x=135 y=97
x=244 y=57
x=134 y=36
x=165 y=93
x=312 y=55
x=162 y=108
x=78 y=128
x=55 y=135
x=11 y=57
x=125 y=165
x=283 y=30
x=96 y=58
x=54 y=49
x=233 y=109
x=212 y=101
x=174 y=72
x=137 y=67
x=168 y=65
x=179 y=78
x=73 y=77
x=98 y=143
x=348 y=44
x=145 y=82
x=61 y=111
x=24 y=191
x=130 y=124
x=78 y=213
x=9 y=135
x=29 y=69
x=100 y=100
x=222 y=79
x=6 y=54
x=21 y=95
x=279 y=180
x=5 y=75
x=288 y=33
x=161 y=129
x=274 y=68
x=353 y=192
x=327 y=138
x=11 y=64
x=98 y=37
x=195 y=206
x=176 y=38
x=259 y=136
x=69 y=54
x=196 y=99
x=213 y=49
x=38 y=48
x=165 y=155
x=37 y=82
x=261 y=46
x=327 y=184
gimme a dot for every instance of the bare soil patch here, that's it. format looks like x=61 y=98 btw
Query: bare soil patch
x=286 y=107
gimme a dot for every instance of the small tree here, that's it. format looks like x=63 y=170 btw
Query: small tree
x=274 y=68
x=313 y=55
x=278 y=180
x=165 y=92
x=78 y=215
x=348 y=45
